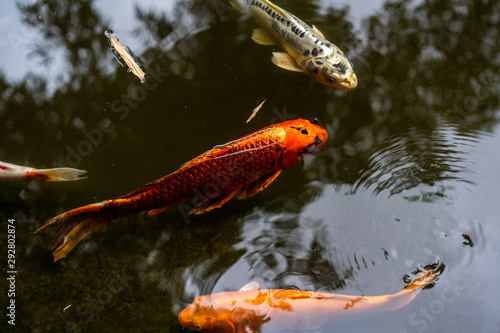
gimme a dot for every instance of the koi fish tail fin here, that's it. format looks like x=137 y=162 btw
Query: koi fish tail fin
x=423 y=279
x=405 y=296
x=61 y=174
x=74 y=226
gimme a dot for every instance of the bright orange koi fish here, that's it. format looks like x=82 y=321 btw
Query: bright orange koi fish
x=238 y=169
x=253 y=310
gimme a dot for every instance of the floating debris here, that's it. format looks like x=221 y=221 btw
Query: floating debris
x=66 y=308
x=124 y=53
x=255 y=111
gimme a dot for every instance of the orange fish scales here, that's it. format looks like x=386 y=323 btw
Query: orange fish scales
x=238 y=169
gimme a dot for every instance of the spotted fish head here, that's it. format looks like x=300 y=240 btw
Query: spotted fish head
x=302 y=138
x=333 y=70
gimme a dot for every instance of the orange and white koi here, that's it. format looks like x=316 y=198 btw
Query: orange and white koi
x=253 y=310
x=12 y=172
x=238 y=169
x=306 y=49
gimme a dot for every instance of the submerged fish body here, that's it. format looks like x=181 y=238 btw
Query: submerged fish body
x=13 y=172
x=306 y=48
x=238 y=169
x=255 y=310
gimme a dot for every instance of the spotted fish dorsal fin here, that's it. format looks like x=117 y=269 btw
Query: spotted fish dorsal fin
x=277 y=9
x=285 y=61
x=262 y=37
x=235 y=6
x=316 y=30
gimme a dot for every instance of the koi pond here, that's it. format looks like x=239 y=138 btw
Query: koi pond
x=407 y=179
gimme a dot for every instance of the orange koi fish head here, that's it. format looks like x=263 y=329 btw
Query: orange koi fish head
x=302 y=138
x=221 y=313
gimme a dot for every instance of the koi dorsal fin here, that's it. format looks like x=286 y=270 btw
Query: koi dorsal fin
x=262 y=37
x=292 y=294
x=215 y=152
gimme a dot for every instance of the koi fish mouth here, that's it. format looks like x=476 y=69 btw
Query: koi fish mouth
x=350 y=83
x=312 y=147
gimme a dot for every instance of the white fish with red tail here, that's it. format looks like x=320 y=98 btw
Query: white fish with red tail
x=12 y=172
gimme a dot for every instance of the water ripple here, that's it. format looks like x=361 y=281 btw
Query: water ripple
x=421 y=166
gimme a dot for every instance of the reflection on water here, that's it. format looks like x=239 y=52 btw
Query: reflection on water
x=408 y=176
x=421 y=166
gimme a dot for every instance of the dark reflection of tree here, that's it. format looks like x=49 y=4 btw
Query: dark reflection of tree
x=423 y=63
x=155 y=24
x=420 y=63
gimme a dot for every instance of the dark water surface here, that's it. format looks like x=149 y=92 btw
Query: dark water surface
x=408 y=177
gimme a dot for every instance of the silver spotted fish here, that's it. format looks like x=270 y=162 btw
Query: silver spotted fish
x=307 y=50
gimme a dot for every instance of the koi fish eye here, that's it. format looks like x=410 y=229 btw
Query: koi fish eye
x=331 y=79
x=317 y=140
x=313 y=146
x=198 y=327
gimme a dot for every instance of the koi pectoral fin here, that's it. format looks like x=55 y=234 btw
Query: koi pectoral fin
x=208 y=204
x=262 y=37
x=258 y=185
x=250 y=286
x=285 y=61
x=157 y=211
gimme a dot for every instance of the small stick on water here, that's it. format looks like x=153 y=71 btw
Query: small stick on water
x=255 y=111
x=129 y=60
x=66 y=308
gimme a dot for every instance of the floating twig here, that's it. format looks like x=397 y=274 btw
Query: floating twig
x=125 y=54
x=255 y=111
